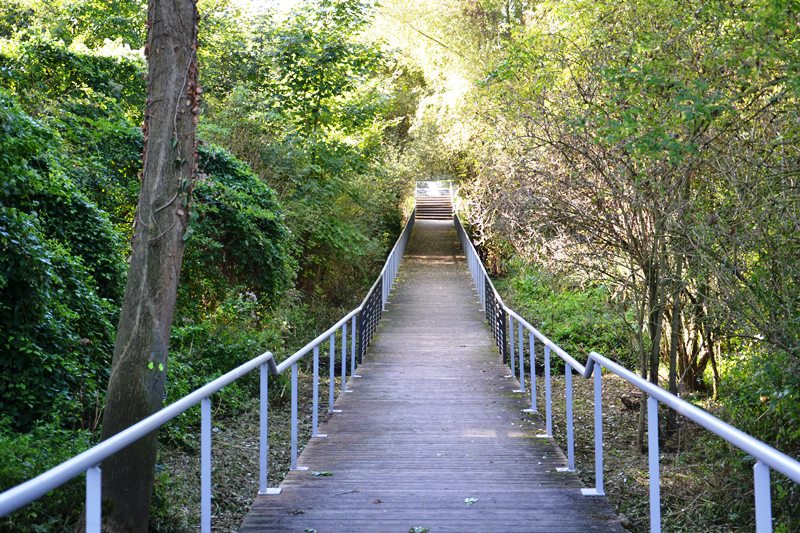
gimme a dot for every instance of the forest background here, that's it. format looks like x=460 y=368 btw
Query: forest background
x=629 y=170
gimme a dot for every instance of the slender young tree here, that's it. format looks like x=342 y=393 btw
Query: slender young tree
x=136 y=385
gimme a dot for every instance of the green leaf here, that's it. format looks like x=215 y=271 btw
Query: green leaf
x=470 y=501
x=324 y=473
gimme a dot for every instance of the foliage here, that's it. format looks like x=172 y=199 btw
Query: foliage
x=92 y=102
x=761 y=396
x=239 y=240
x=89 y=22
x=43 y=73
x=576 y=318
x=236 y=331
x=45 y=446
x=309 y=112
x=60 y=272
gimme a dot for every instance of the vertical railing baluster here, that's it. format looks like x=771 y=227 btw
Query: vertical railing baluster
x=295 y=424
x=548 y=403
x=502 y=331
x=763 y=497
x=532 y=361
x=315 y=395
x=332 y=376
x=570 y=429
x=344 y=358
x=94 y=497
x=598 y=429
x=263 y=429
x=205 y=465
x=362 y=332
x=521 y=355
x=353 y=347
x=652 y=461
x=511 y=344
x=385 y=290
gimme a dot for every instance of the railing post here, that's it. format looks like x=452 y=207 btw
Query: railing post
x=94 y=513
x=598 y=429
x=361 y=333
x=344 y=358
x=315 y=395
x=332 y=375
x=205 y=465
x=598 y=434
x=763 y=497
x=263 y=433
x=532 y=360
x=570 y=429
x=512 y=359
x=548 y=403
x=479 y=288
x=521 y=355
x=353 y=347
x=384 y=291
x=488 y=307
x=501 y=331
x=652 y=460
x=294 y=420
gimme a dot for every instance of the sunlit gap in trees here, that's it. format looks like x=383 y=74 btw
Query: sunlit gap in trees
x=256 y=7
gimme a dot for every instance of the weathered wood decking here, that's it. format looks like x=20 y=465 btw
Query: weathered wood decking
x=432 y=422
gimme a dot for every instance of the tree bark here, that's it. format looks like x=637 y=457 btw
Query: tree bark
x=138 y=371
x=674 y=340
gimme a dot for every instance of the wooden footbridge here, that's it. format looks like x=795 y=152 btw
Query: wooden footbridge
x=433 y=435
x=437 y=431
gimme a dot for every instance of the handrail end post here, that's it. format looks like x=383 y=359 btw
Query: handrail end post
x=763 y=497
x=94 y=517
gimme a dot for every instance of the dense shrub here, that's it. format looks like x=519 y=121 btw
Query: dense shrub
x=759 y=394
x=44 y=447
x=43 y=73
x=239 y=240
x=59 y=267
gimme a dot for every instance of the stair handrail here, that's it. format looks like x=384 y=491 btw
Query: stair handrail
x=767 y=457
x=363 y=320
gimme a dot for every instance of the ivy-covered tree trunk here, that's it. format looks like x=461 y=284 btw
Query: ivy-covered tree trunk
x=136 y=385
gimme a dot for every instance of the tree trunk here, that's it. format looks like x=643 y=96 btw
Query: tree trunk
x=675 y=326
x=649 y=358
x=138 y=371
x=674 y=339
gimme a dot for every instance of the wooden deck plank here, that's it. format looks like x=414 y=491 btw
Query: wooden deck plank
x=432 y=421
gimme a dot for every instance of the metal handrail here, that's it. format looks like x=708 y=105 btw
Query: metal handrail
x=766 y=456
x=90 y=460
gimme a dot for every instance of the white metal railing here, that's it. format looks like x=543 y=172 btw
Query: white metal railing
x=430 y=188
x=362 y=320
x=767 y=457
